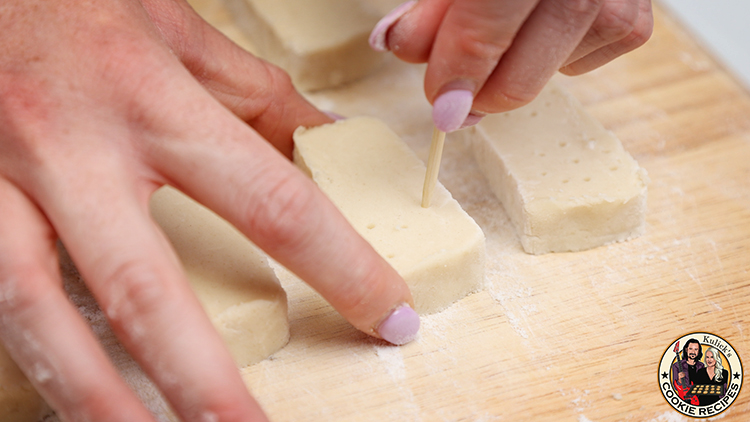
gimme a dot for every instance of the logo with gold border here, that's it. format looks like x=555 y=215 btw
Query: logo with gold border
x=700 y=375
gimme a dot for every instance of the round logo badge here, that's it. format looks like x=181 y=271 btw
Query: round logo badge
x=700 y=375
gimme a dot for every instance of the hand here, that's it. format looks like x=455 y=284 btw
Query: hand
x=101 y=103
x=489 y=56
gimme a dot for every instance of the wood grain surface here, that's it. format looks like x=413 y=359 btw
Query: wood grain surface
x=559 y=337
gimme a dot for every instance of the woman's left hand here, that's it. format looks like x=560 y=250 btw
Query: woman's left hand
x=489 y=56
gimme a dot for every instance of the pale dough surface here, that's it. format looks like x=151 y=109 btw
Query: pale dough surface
x=376 y=182
x=230 y=276
x=320 y=43
x=565 y=181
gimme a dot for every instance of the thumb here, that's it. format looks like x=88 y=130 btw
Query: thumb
x=256 y=91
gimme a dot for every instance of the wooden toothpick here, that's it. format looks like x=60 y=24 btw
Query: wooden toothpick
x=433 y=166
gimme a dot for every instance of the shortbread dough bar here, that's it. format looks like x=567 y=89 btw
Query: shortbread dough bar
x=320 y=43
x=229 y=274
x=566 y=182
x=376 y=181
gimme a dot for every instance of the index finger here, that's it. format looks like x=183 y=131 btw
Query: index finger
x=251 y=184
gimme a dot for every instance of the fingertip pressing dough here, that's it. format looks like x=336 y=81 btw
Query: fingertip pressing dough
x=376 y=181
x=230 y=276
x=320 y=43
x=19 y=401
x=565 y=181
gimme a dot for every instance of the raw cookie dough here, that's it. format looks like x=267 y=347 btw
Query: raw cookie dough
x=230 y=276
x=565 y=181
x=376 y=181
x=19 y=401
x=320 y=43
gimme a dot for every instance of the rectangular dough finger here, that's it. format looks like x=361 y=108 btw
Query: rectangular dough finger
x=320 y=43
x=565 y=181
x=376 y=181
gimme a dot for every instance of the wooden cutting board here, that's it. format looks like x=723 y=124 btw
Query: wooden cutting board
x=559 y=337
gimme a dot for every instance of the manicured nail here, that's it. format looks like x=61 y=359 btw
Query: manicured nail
x=471 y=120
x=451 y=109
x=401 y=326
x=334 y=116
x=379 y=33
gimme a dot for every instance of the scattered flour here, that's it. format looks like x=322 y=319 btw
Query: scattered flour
x=393 y=361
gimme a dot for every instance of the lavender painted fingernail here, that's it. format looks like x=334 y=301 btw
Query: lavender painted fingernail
x=401 y=326
x=378 y=34
x=471 y=120
x=451 y=109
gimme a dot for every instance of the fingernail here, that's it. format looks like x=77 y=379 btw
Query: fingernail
x=334 y=116
x=378 y=34
x=471 y=120
x=451 y=109
x=401 y=326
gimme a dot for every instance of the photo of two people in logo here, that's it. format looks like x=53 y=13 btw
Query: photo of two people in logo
x=689 y=371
